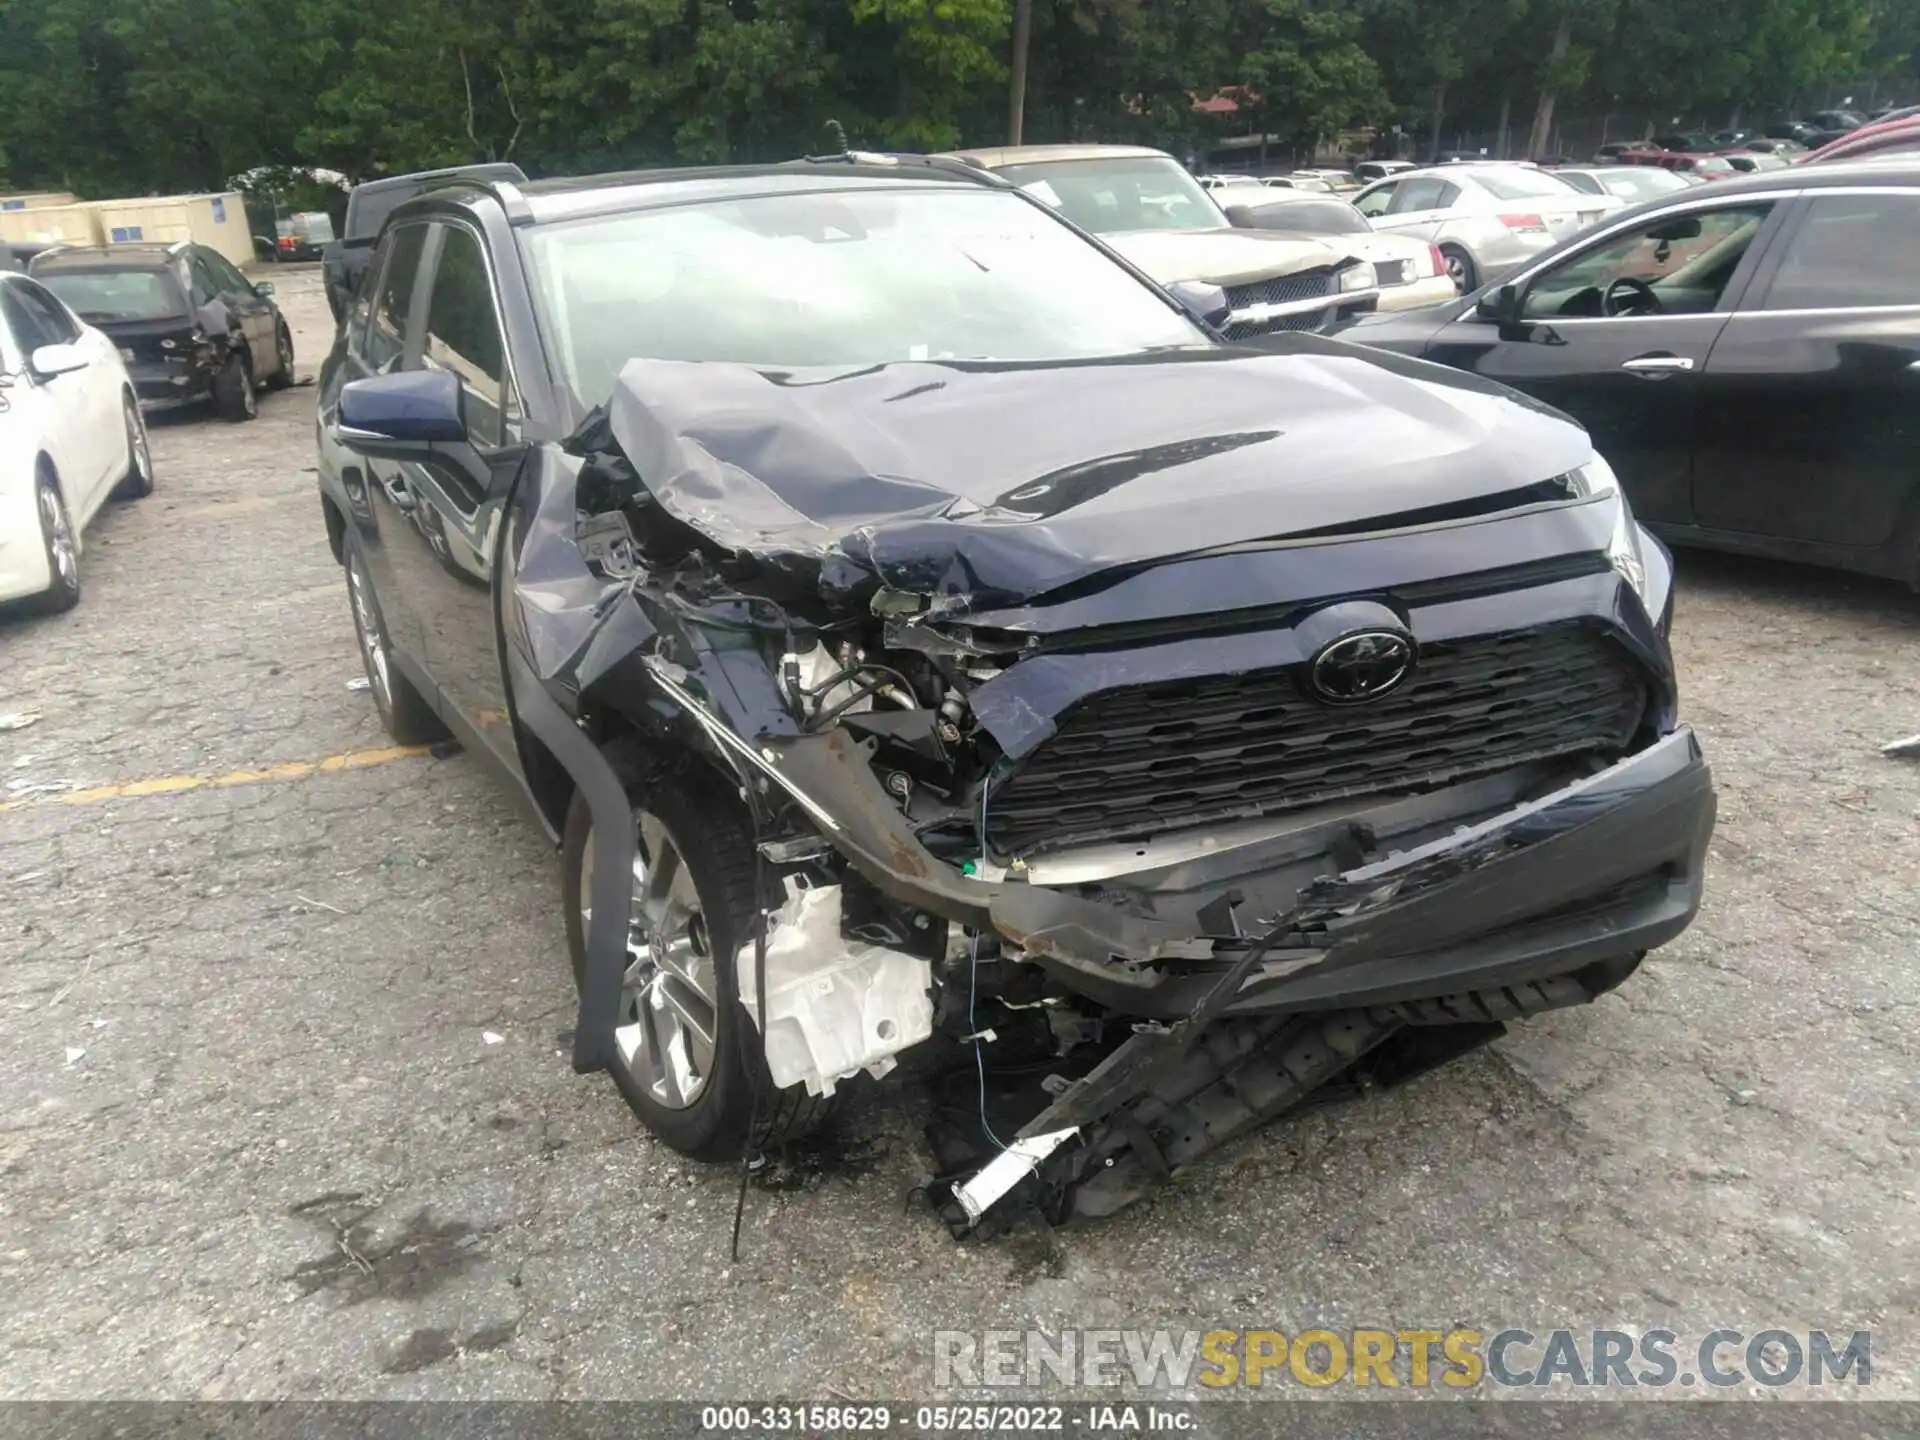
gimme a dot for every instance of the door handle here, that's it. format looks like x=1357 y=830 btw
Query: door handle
x=1658 y=365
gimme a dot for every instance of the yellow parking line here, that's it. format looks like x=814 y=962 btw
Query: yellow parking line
x=172 y=784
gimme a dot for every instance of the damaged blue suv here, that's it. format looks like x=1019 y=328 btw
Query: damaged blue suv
x=918 y=631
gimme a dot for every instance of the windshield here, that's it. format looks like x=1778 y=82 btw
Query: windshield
x=97 y=295
x=837 y=279
x=1518 y=184
x=1137 y=192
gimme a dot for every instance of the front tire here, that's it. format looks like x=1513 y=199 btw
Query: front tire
x=233 y=393
x=404 y=711
x=137 y=482
x=62 y=546
x=688 y=1055
x=283 y=371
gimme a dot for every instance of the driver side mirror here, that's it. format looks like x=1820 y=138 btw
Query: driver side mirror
x=51 y=360
x=263 y=289
x=1500 y=305
x=403 y=415
x=1204 y=302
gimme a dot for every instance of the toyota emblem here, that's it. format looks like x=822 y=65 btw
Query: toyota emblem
x=1362 y=666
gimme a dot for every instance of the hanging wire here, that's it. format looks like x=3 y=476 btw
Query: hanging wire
x=973 y=983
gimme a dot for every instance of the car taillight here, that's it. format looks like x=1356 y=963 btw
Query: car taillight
x=1439 y=260
x=1523 y=222
x=287 y=242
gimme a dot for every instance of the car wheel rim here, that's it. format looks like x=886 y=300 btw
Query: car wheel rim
x=248 y=402
x=286 y=354
x=142 y=465
x=1457 y=271
x=366 y=623
x=61 y=554
x=668 y=1016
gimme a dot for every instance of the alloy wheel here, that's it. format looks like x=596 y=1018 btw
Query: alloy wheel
x=1457 y=271
x=142 y=466
x=62 y=554
x=668 y=1012
x=366 y=624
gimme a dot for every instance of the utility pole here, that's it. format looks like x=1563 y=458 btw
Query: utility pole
x=1017 y=97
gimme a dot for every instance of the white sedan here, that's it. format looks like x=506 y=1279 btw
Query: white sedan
x=70 y=436
x=1410 y=272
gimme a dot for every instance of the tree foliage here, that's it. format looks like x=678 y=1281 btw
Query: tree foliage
x=130 y=96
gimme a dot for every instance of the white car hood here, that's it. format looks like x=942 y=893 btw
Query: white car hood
x=1225 y=256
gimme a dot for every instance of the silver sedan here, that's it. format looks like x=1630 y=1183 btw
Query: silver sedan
x=1484 y=219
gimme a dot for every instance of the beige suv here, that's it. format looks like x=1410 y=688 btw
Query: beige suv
x=1146 y=206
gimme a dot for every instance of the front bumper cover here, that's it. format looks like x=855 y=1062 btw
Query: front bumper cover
x=1608 y=865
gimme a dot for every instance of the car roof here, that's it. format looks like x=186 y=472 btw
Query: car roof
x=996 y=157
x=542 y=201
x=135 y=256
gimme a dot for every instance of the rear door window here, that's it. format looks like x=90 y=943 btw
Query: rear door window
x=1424 y=193
x=1851 y=251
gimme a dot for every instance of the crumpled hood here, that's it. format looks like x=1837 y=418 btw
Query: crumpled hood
x=1223 y=257
x=995 y=483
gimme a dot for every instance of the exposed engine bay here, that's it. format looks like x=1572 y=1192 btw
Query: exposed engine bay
x=1165 y=797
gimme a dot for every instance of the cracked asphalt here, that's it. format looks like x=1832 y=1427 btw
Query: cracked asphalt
x=285 y=1110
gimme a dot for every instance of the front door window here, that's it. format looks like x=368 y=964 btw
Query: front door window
x=1677 y=265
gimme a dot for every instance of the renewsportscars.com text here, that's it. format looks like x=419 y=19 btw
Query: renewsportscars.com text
x=1457 y=1358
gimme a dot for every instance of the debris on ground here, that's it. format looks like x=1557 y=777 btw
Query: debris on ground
x=1907 y=749
x=19 y=719
x=492 y=1039
x=361 y=684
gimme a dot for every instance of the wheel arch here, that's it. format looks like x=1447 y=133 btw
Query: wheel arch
x=336 y=528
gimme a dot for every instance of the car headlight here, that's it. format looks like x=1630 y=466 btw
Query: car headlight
x=1357 y=276
x=1596 y=478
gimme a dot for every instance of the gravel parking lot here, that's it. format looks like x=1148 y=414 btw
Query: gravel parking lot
x=284 y=1110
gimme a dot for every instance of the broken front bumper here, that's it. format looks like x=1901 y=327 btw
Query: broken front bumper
x=1607 y=866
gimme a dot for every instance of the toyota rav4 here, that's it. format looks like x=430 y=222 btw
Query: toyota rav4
x=914 y=628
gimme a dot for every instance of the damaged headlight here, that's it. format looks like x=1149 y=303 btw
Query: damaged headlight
x=1357 y=276
x=1596 y=478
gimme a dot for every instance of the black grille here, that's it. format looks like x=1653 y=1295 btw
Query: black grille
x=1130 y=763
x=1312 y=320
x=1309 y=285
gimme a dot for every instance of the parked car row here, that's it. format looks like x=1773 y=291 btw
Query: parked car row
x=71 y=437
x=1746 y=355
x=91 y=338
x=1483 y=218
x=1147 y=207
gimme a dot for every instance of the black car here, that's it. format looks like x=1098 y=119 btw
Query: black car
x=913 y=626
x=1746 y=354
x=344 y=261
x=189 y=325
